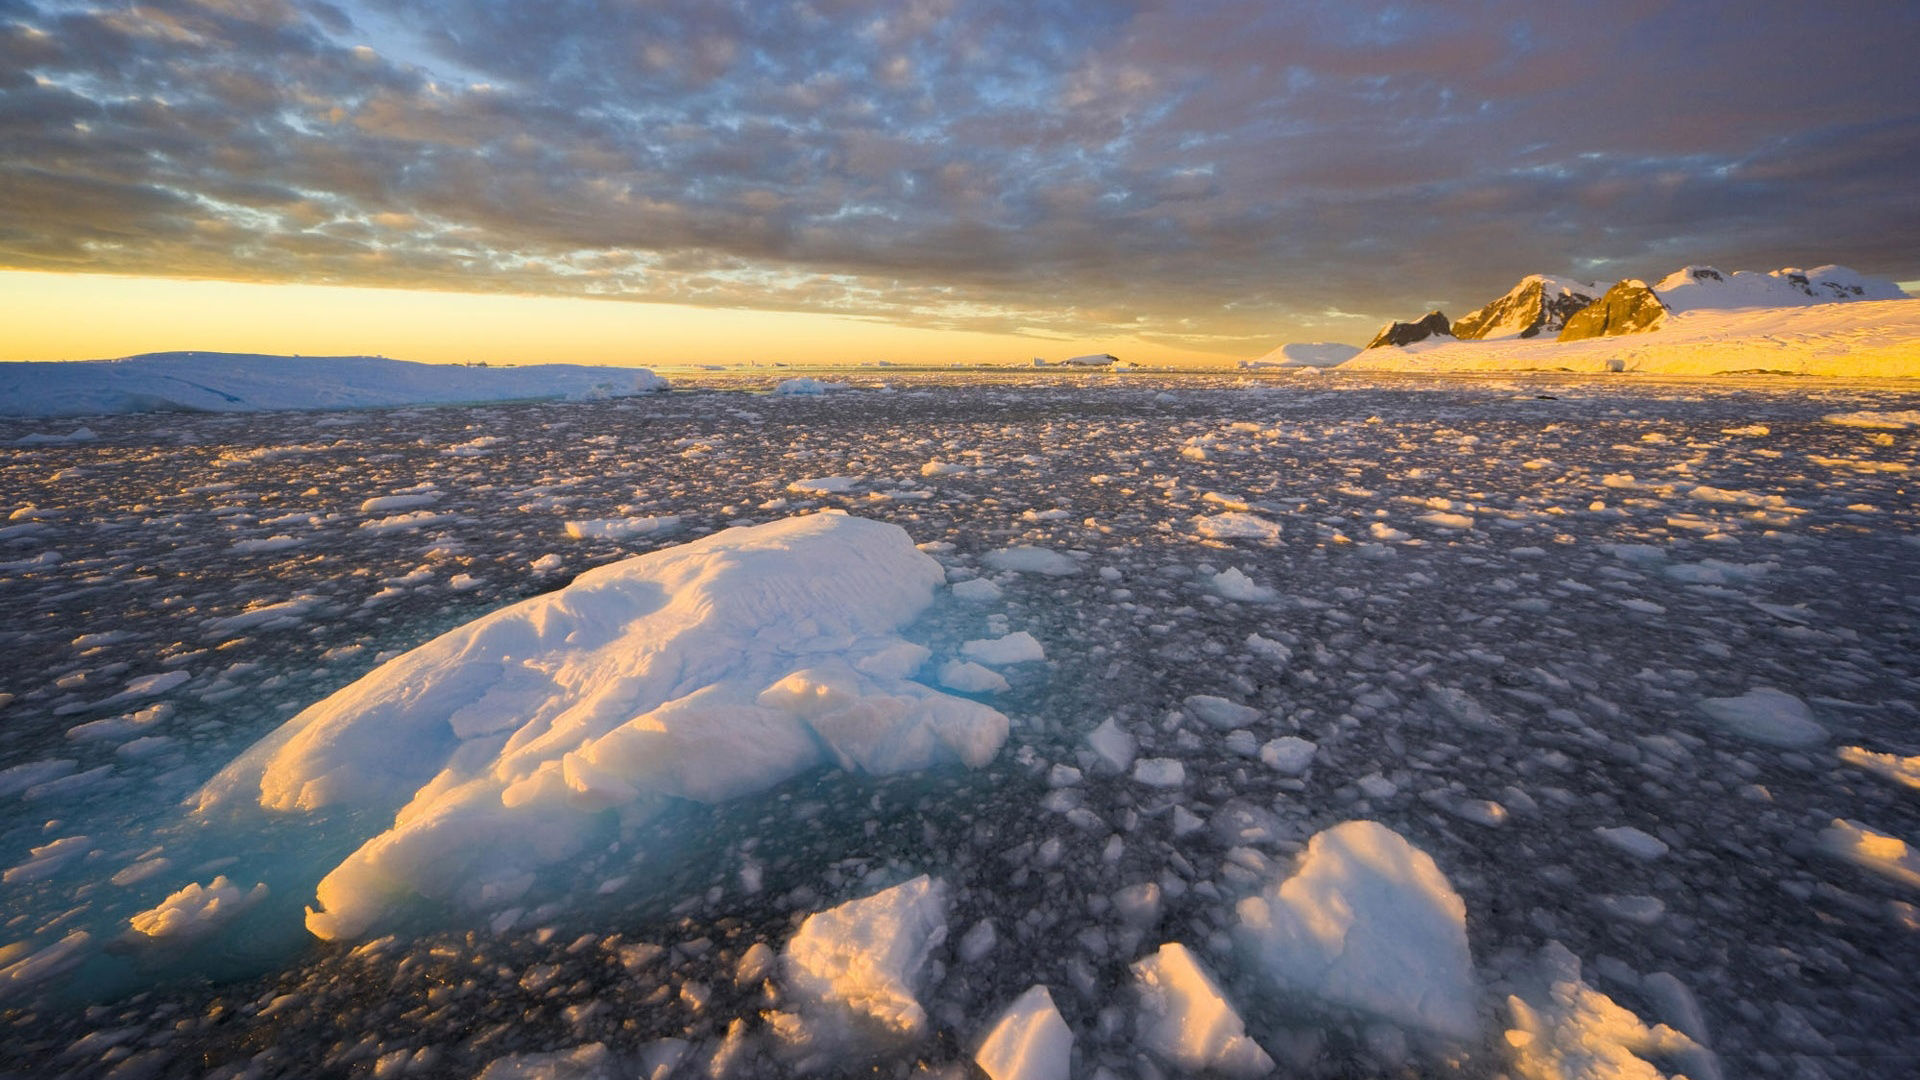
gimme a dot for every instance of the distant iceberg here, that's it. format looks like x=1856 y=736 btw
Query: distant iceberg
x=243 y=382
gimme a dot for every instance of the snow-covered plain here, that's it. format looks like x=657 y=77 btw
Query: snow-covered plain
x=1307 y=679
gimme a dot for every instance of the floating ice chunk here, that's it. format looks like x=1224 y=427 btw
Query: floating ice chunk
x=1644 y=910
x=1188 y=1022
x=1289 y=755
x=1160 y=772
x=1235 y=525
x=1018 y=647
x=1871 y=419
x=1769 y=716
x=417 y=519
x=270 y=543
x=197 y=909
x=621 y=528
x=807 y=387
x=977 y=942
x=975 y=591
x=1901 y=770
x=1571 y=1031
x=937 y=467
x=970 y=678
x=1032 y=560
x=823 y=485
x=546 y=564
x=387 y=504
x=1870 y=849
x=705 y=671
x=1440 y=519
x=592 y=1061
x=18 y=778
x=1029 y=1042
x=43 y=964
x=1138 y=905
x=153 y=685
x=47 y=860
x=1367 y=921
x=42 y=438
x=1274 y=652
x=1634 y=842
x=1234 y=584
x=865 y=958
x=1114 y=746
x=1218 y=712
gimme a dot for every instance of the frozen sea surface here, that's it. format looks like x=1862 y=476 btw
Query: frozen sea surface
x=1630 y=669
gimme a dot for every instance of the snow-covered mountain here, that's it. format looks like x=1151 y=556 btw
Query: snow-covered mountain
x=1697 y=288
x=1314 y=354
x=1627 y=308
x=1432 y=324
x=1540 y=303
x=244 y=382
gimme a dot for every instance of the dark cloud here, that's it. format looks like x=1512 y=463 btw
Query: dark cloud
x=1211 y=175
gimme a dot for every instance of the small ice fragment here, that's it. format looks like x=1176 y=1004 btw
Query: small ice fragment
x=1870 y=849
x=1032 y=560
x=1638 y=844
x=1160 y=772
x=975 y=591
x=1018 y=647
x=1114 y=746
x=1768 y=716
x=1234 y=584
x=978 y=941
x=1220 y=713
x=1028 y=1042
x=197 y=909
x=1289 y=755
x=1369 y=922
x=970 y=678
x=866 y=956
x=1186 y=1020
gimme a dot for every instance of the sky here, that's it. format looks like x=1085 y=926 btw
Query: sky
x=920 y=180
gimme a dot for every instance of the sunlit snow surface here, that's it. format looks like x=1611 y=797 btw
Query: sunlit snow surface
x=1632 y=664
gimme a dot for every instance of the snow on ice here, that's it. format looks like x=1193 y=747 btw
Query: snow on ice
x=703 y=672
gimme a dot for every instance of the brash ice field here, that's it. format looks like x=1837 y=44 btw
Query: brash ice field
x=1320 y=726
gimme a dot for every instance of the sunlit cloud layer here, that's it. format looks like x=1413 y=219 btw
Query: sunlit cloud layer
x=1206 y=175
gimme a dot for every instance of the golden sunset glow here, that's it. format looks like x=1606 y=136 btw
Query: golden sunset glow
x=93 y=316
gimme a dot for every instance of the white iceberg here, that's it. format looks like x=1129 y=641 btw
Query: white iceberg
x=1368 y=922
x=706 y=671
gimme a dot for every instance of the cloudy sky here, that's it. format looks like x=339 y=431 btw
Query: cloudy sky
x=1186 y=178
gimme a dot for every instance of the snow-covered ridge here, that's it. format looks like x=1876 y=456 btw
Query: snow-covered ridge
x=1698 y=320
x=1698 y=288
x=1538 y=304
x=246 y=382
x=707 y=671
x=1864 y=339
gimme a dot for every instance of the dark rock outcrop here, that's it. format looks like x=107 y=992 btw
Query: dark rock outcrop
x=1538 y=304
x=1630 y=307
x=1433 y=324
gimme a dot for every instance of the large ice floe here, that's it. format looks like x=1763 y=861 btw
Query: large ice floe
x=1367 y=922
x=704 y=672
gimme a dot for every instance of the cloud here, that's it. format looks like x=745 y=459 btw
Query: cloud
x=1209 y=173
